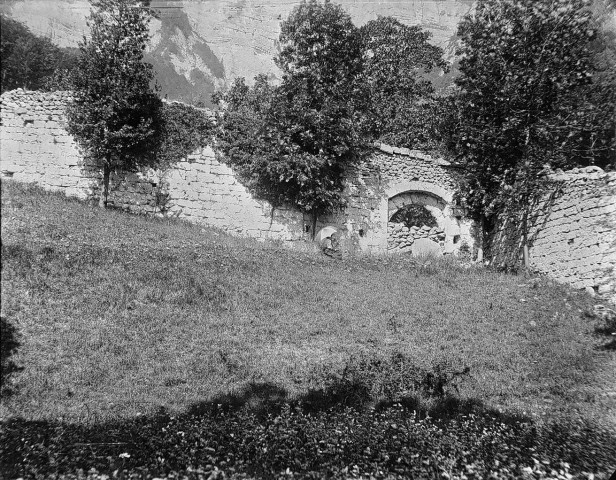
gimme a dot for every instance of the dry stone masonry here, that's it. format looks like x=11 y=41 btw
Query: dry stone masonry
x=572 y=232
x=400 y=238
x=572 y=237
x=36 y=148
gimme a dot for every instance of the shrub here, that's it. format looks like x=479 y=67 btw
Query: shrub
x=370 y=379
x=414 y=215
x=8 y=347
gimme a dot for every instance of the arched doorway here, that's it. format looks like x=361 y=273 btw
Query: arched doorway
x=420 y=210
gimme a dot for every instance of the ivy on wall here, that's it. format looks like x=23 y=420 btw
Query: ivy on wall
x=185 y=129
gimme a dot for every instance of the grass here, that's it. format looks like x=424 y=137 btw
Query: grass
x=118 y=316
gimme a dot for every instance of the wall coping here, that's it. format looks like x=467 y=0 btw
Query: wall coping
x=407 y=152
x=581 y=173
x=414 y=186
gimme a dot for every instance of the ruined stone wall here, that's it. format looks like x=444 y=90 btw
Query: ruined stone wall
x=35 y=147
x=572 y=236
x=34 y=143
x=572 y=232
x=396 y=164
x=388 y=179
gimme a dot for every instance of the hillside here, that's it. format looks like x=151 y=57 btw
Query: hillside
x=141 y=336
x=199 y=46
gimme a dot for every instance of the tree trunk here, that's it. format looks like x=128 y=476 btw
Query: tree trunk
x=314 y=224
x=482 y=236
x=102 y=202
x=526 y=200
x=525 y=254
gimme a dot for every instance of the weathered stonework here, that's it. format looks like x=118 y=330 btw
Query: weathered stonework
x=36 y=148
x=401 y=238
x=572 y=232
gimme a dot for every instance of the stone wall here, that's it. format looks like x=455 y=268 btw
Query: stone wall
x=36 y=148
x=572 y=232
x=34 y=143
x=401 y=238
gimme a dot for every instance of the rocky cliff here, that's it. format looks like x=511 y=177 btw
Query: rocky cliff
x=199 y=46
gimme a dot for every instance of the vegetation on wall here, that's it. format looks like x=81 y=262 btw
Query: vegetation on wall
x=525 y=101
x=535 y=93
x=398 y=103
x=342 y=88
x=28 y=61
x=116 y=117
x=291 y=143
x=184 y=130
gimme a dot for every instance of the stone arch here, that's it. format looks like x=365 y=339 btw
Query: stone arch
x=435 y=205
x=437 y=200
x=426 y=187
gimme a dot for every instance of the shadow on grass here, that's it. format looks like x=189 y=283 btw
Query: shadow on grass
x=607 y=329
x=8 y=347
x=259 y=431
x=610 y=346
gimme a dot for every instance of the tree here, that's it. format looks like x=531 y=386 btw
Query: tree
x=184 y=129
x=524 y=65
x=396 y=91
x=29 y=61
x=342 y=87
x=292 y=143
x=115 y=115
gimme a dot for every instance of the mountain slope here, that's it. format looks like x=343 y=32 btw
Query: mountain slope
x=200 y=46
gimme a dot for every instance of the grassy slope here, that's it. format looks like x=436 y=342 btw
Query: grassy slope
x=120 y=314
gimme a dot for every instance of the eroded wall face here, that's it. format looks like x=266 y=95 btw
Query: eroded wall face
x=572 y=232
x=36 y=148
x=572 y=235
x=34 y=143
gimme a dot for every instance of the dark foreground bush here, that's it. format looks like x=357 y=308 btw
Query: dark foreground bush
x=336 y=443
x=374 y=417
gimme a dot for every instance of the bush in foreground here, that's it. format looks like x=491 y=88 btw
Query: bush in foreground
x=337 y=443
x=377 y=417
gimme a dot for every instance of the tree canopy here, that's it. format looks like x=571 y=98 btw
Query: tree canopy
x=526 y=69
x=292 y=142
x=115 y=115
x=397 y=95
x=29 y=61
x=342 y=88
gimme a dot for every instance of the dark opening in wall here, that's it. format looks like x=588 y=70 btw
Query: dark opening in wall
x=361 y=232
x=456 y=239
x=411 y=215
x=307 y=228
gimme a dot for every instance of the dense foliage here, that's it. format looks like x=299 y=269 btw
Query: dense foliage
x=528 y=99
x=184 y=130
x=115 y=115
x=398 y=99
x=418 y=429
x=28 y=61
x=291 y=143
x=414 y=215
x=342 y=88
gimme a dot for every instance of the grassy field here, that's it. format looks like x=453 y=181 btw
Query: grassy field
x=117 y=316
